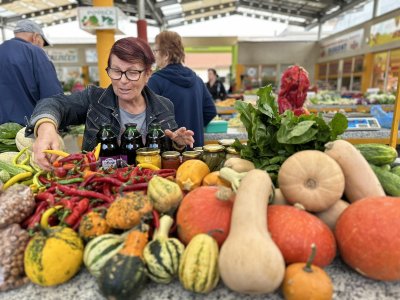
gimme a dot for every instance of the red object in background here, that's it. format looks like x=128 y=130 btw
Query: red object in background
x=293 y=90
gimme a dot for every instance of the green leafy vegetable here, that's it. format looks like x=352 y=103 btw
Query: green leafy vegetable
x=272 y=137
x=9 y=130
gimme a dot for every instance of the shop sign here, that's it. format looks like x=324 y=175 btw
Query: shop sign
x=345 y=43
x=104 y=17
x=91 y=55
x=385 y=32
x=63 y=55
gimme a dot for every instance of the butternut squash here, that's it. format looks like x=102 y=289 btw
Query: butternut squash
x=311 y=178
x=360 y=179
x=279 y=198
x=332 y=214
x=249 y=260
x=239 y=164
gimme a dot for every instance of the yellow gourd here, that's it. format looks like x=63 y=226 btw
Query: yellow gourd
x=190 y=174
x=307 y=281
x=213 y=179
x=53 y=256
x=249 y=260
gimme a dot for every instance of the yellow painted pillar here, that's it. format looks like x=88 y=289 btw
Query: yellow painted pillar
x=105 y=40
x=85 y=75
x=368 y=66
x=396 y=116
x=239 y=72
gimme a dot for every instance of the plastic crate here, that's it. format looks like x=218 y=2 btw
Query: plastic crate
x=219 y=126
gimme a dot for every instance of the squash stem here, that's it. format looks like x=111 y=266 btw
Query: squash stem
x=307 y=267
x=232 y=176
x=165 y=225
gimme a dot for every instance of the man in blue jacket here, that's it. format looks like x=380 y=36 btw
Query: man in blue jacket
x=193 y=105
x=27 y=74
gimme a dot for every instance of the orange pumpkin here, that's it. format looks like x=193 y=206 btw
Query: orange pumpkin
x=213 y=178
x=190 y=174
x=93 y=224
x=206 y=209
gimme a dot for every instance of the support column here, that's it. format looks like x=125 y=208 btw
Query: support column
x=85 y=75
x=141 y=22
x=105 y=39
x=366 y=77
x=396 y=117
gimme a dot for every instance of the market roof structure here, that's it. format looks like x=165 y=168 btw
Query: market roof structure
x=172 y=13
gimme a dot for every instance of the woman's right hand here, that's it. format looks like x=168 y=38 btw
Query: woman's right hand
x=47 y=138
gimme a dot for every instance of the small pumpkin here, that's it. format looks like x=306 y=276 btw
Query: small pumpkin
x=190 y=174
x=53 y=256
x=307 y=281
x=127 y=210
x=214 y=179
x=124 y=275
x=206 y=209
x=164 y=194
x=311 y=178
x=198 y=269
x=163 y=254
x=93 y=224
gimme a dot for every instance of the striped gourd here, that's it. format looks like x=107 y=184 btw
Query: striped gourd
x=162 y=255
x=99 y=250
x=198 y=269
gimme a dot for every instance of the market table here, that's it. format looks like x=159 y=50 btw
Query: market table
x=348 y=285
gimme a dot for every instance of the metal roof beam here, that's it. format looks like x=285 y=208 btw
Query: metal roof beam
x=156 y=13
x=60 y=21
x=273 y=19
x=40 y=13
x=200 y=11
x=164 y=3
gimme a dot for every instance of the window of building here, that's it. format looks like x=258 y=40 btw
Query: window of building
x=385 y=6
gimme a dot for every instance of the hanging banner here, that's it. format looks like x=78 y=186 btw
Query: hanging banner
x=385 y=32
x=63 y=55
x=104 y=17
x=345 y=43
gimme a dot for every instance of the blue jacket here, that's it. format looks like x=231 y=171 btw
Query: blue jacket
x=94 y=106
x=194 y=106
x=26 y=76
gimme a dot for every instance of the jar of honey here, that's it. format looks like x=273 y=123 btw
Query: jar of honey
x=148 y=155
x=170 y=160
x=190 y=155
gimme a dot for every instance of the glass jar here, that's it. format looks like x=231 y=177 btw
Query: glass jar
x=148 y=155
x=190 y=155
x=214 y=156
x=231 y=152
x=226 y=142
x=170 y=160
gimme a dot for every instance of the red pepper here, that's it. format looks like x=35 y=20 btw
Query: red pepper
x=60 y=172
x=43 y=179
x=72 y=157
x=84 y=193
x=113 y=181
x=106 y=189
x=68 y=204
x=45 y=196
x=83 y=205
x=79 y=209
x=35 y=218
x=165 y=171
x=134 y=187
x=156 y=219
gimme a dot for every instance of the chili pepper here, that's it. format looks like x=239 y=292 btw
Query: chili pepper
x=68 y=204
x=35 y=218
x=44 y=221
x=83 y=205
x=16 y=157
x=83 y=193
x=68 y=166
x=106 y=189
x=56 y=152
x=113 y=181
x=162 y=171
x=75 y=199
x=77 y=212
x=16 y=178
x=57 y=164
x=88 y=179
x=72 y=157
x=134 y=187
x=70 y=180
x=25 y=167
x=92 y=161
x=43 y=179
x=156 y=219
x=60 y=172
x=52 y=189
x=77 y=223
x=45 y=196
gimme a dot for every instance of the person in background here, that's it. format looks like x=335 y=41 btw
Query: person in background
x=27 y=74
x=215 y=86
x=126 y=100
x=194 y=106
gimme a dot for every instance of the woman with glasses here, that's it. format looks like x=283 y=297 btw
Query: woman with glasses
x=194 y=106
x=126 y=100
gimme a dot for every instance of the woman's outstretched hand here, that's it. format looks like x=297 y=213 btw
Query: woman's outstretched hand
x=181 y=136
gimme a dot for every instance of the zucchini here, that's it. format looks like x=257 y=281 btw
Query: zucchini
x=389 y=181
x=9 y=168
x=377 y=154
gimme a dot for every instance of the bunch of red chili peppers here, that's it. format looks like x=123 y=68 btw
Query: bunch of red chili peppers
x=79 y=186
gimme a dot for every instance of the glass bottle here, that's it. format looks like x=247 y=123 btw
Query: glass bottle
x=131 y=141
x=109 y=150
x=156 y=138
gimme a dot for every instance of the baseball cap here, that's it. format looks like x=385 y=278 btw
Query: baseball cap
x=30 y=26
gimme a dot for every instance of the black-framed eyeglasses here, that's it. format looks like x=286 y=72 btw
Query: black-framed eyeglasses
x=132 y=75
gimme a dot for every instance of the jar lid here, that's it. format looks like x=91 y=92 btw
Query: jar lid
x=213 y=148
x=170 y=154
x=226 y=142
x=147 y=151
x=231 y=150
x=199 y=149
x=191 y=154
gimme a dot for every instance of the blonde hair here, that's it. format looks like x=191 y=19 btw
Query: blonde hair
x=170 y=43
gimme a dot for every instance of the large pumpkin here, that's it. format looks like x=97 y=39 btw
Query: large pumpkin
x=368 y=237
x=294 y=230
x=53 y=256
x=206 y=209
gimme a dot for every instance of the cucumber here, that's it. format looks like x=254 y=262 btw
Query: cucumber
x=377 y=154
x=389 y=181
x=395 y=170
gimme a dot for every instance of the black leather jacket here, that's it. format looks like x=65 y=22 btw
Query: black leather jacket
x=95 y=106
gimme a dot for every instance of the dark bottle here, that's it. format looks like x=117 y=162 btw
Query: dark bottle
x=156 y=138
x=131 y=140
x=109 y=150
